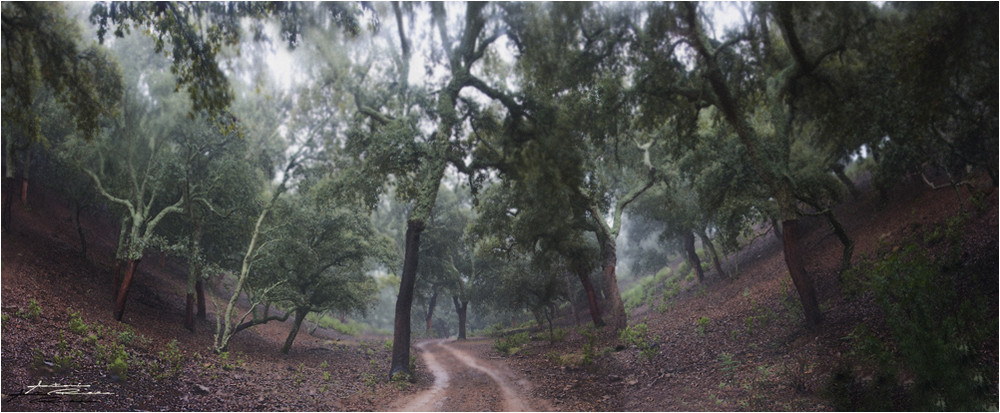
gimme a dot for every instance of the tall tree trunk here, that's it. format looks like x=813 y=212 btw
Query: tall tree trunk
x=300 y=314
x=461 y=308
x=595 y=310
x=570 y=296
x=199 y=288
x=24 y=190
x=707 y=242
x=123 y=291
x=430 y=312
x=619 y=319
x=797 y=270
x=404 y=301
x=194 y=269
x=693 y=256
x=9 y=189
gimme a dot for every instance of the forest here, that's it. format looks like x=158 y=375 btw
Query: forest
x=659 y=206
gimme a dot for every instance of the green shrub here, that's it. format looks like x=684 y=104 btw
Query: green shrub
x=935 y=313
x=558 y=334
x=119 y=367
x=76 y=324
x=510 y=345
x=173 y=358
x=638 y=335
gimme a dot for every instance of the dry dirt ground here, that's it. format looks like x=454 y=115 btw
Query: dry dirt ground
x=753 y=353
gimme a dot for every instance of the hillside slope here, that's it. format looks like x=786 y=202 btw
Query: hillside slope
x=724 y=345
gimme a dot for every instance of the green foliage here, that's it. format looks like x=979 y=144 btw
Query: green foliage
x=65 y=357
x=701 y=325
x=76 y=324
x=119 y=367
x=173 y=357
x=934 y=312
x=352 y=328
x=34 y=310
x=728 y=364
x=558 y=334
x=511 y=344
x=638 y=335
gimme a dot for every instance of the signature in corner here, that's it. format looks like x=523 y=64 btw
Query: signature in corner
x=49 y=393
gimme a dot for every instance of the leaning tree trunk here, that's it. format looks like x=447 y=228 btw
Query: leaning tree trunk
x=123 y=291
x=707 y=242
x=796 y=268
x=404 y=301
x=838 y=170
x=595 y=310
x=461 y=308
x=693 y=256
x=300 y=314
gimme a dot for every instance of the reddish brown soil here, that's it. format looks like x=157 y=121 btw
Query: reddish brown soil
x=774 y=364
x=41 y=261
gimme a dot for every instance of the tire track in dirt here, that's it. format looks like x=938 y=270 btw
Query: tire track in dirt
x=464 y=382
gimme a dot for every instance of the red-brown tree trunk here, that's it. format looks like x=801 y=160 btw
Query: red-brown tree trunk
x=116 y=278
x=123 y=291
x=796 y=268
x=595 y=310
x=404 y=301
x=693 y=256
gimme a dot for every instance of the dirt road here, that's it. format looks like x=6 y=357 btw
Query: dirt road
x=465 y=382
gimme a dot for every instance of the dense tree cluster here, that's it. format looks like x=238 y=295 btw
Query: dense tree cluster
x=490 y=153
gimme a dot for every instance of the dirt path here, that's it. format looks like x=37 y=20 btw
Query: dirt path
x=465 y=382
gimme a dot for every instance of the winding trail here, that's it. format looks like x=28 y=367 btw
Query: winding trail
x=464 y=382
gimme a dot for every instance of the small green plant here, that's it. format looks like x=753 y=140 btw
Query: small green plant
x=126 y=336
x=173 y=358
x=387 y=345
x=323 y=365
x=119 y=367
x=326 y=376
x=638 y=335
x=558 y=334
x=34 y=310
x=728 y=364
x=65 y=358
x=701 y=326
x=401 y=380
x=76 y=324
